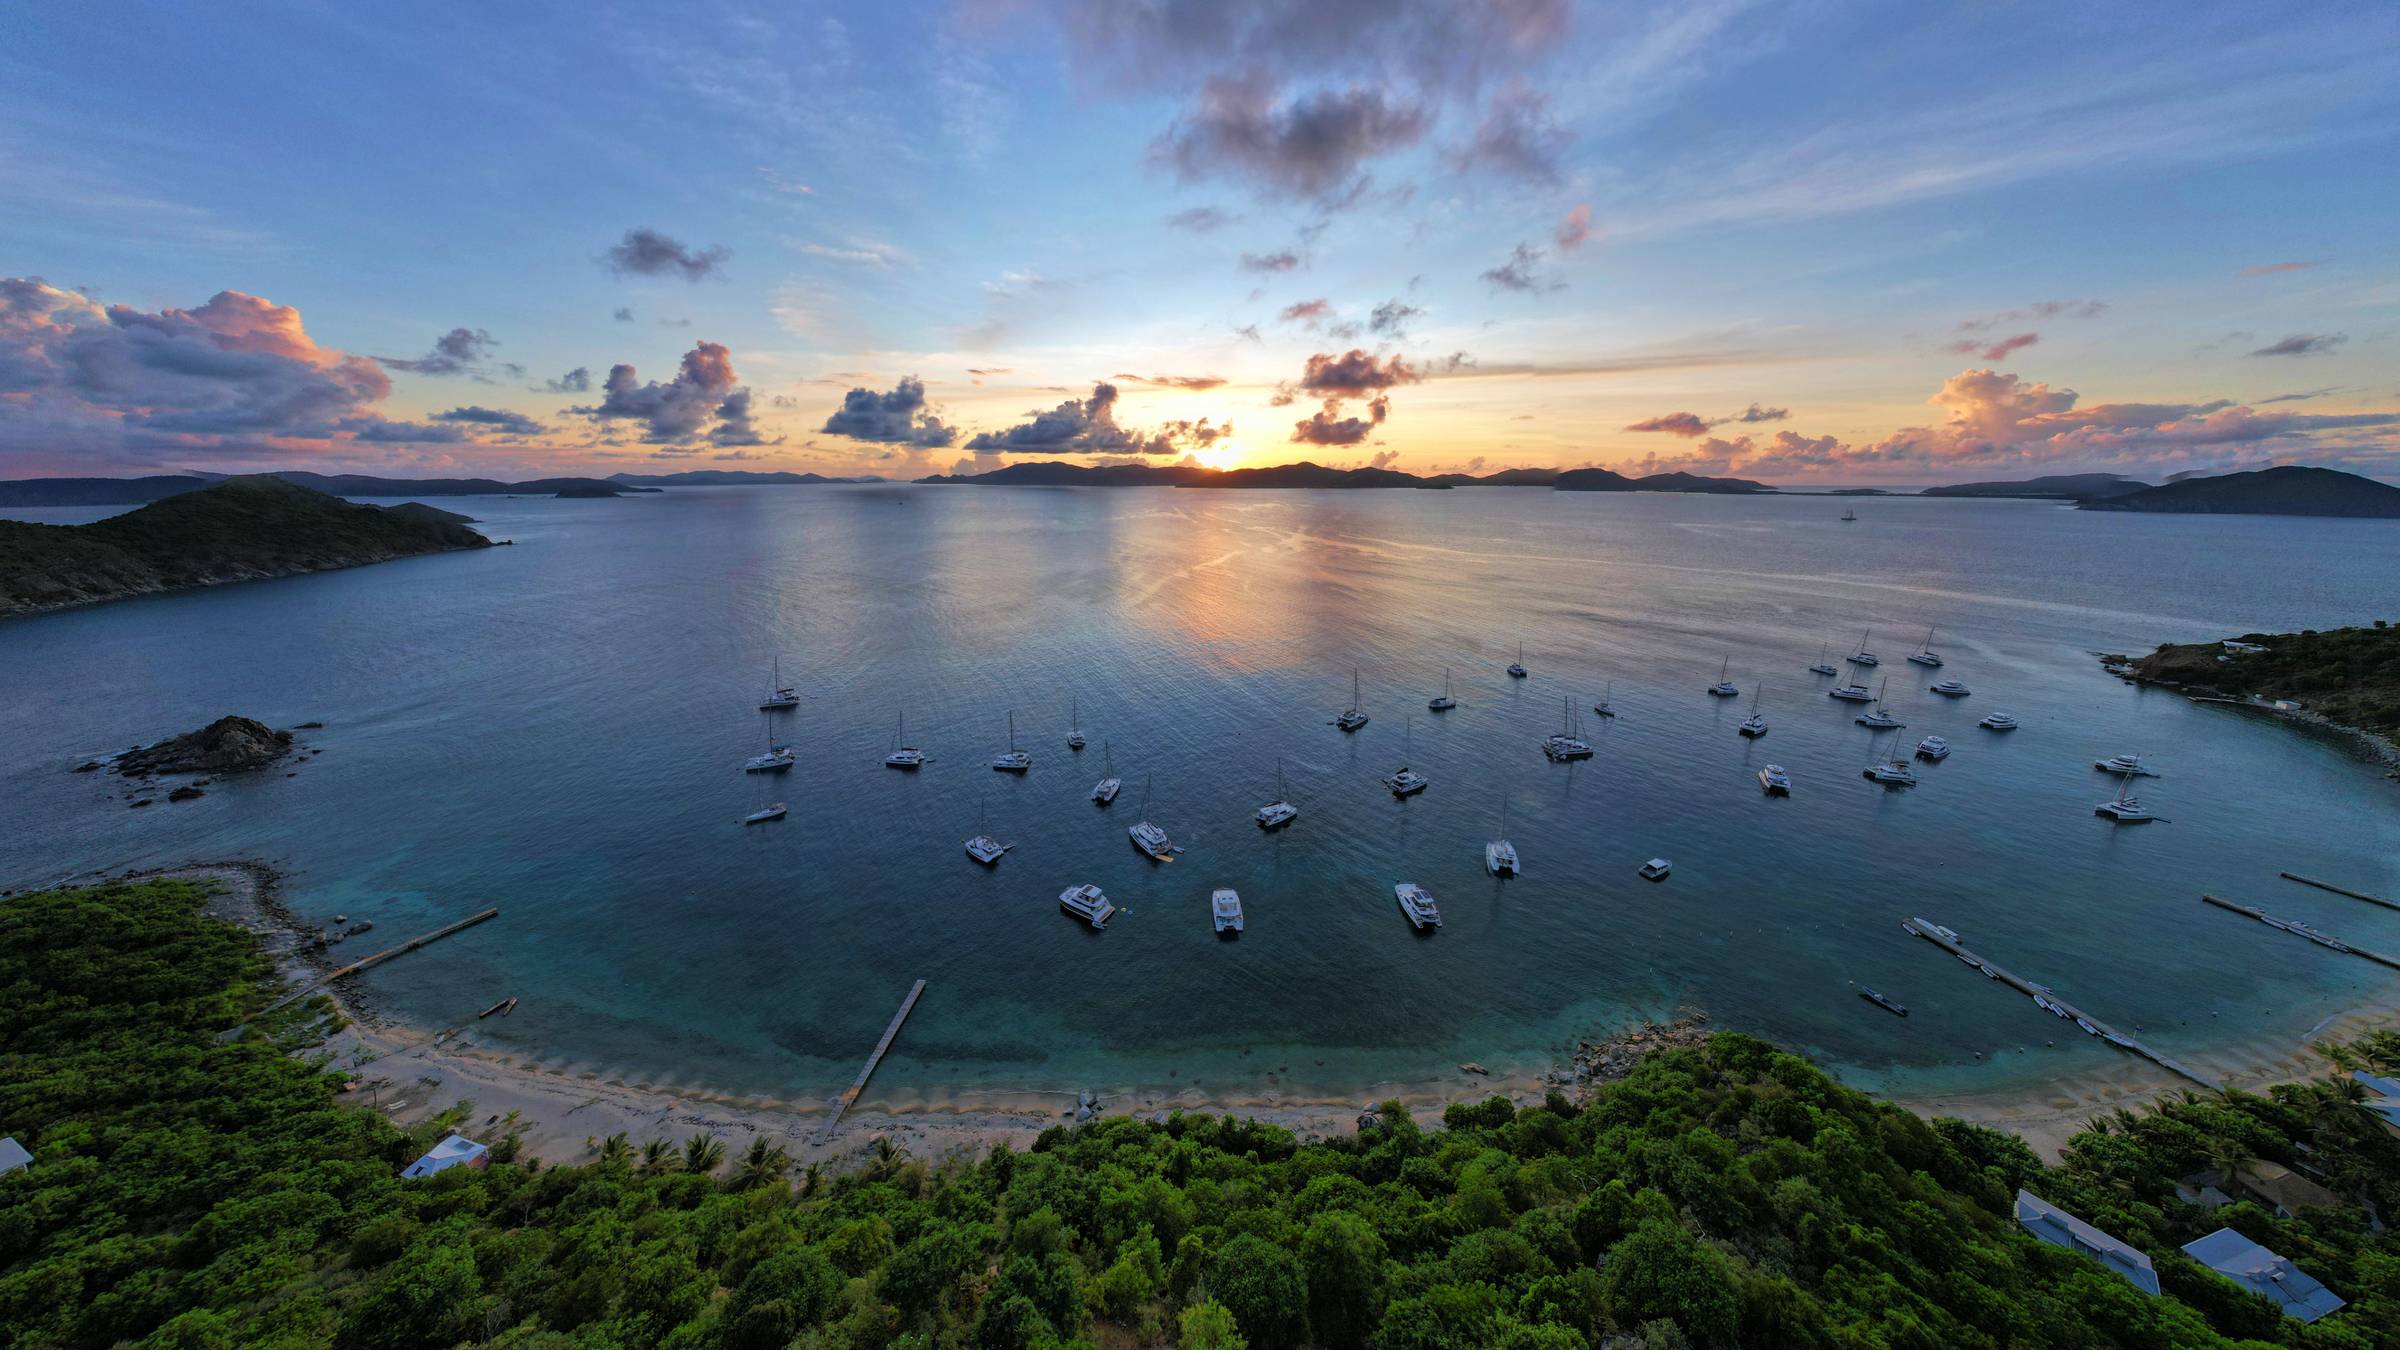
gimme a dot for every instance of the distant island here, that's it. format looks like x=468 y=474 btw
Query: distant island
x=2291 y=490
x=242 y=529
x=727 y=478
x=157 y=487
x=1309 y=475
x=2075 y=486
x=2346 y=678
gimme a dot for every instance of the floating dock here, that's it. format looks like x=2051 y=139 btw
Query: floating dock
x=386 y=954
x=2339 y=890
x=2043 y=998
x=850 y=1095
x=2298 y=929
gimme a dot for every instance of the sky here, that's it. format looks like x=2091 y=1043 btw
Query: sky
x=1806 y=243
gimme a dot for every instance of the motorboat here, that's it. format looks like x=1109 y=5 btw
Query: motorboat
x=1925 y=655
x=1949 y=688
x=1823 y=666
x=1724 y=688
x=1881 y=1002
x=1755 y=725
x=779 y=695
x=1354 y=716
x=776 y=758
x=1775 y=781
x=904 y=755
x=1933 y=748
x=1567 y=742
x=1105 y=791
x=1279 y=812
x=772 y=811
x=1416 y=905
x=1075 y=739
x=1998 y=722
x=1516 y=668
x=1892 y=773
x=1863 y=657
x=1656 y=869
x=1088 y=903
x=2129 y=765
x=1405 y=781
x=1225 y=910
x=1012 y=760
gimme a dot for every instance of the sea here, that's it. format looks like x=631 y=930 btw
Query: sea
x=557 y=728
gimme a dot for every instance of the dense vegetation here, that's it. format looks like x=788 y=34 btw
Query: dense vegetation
x=2286 y=490
x=2351 y=675
x=239 y=530
x=195 y=1191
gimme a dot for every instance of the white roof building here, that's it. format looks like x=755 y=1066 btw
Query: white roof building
x=13 y=1156
x=455 y=1151
x=2061 y=1229
x=2255 y=1268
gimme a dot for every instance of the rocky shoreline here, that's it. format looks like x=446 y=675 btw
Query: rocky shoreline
x=2376 y=746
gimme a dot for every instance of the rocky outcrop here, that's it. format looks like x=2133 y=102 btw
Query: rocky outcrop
x=227 y=745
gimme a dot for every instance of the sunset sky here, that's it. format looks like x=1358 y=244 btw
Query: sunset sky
x=1807 y=243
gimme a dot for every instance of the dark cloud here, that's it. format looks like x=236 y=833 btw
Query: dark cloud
x=1675 y=424
x=1326 y=426
x=1353 y=374
x=1516 y=139
x=461 y=351
x=1755 y=413
x=1270 y=262
x=1311 y=147
x=1308 y=313
x=2303 y=344
x=624 y=314
x=1194 y=382
x=1522 y=272
x=677 y=410
x=647 y=253
x=900 y=417
x=1088 y=426
x=734 y=425
x=1201 y=220
x=382 y=431
x=499 y=419
x=1574 y=230
x=2298 y=397
x=576 y=381
x=1392 y=317
x=1995 y=351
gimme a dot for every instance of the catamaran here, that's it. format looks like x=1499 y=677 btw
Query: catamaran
x=1354 y=716
x=1567 y=742
x=1933 y=748
x=1088 y=903
x=1774 y=781
x=1924 y=655
x=1105 y=791
x=1406 y=781
x=779 y=695
x=1998 y=722
x=777 y=758
x=1416 y=905
x=1863 y=657
x=983 y=848
x=1879 y=718
x=1148 y=837
x=1516 y=668
x=2124 y=808
x=1948 y=688
x=1725 y=688
x=1075 y=724
x=1225 y=909
x=2129 y=765
x=1499 y=855
x=1279 y=812
x=1442 y=702
x=1606 y=707
x=1012 y=760
x=1755 y=725
x=1823 y=666
x=904 y=755
x=1890 y=772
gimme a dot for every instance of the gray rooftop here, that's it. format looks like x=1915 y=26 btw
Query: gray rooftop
x=2061 y=1229
x=2253 y=1267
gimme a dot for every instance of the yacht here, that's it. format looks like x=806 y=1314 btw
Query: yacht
x=1933 y=748
x=983 y=848
x=1998 y=722
x=1405 y=781
x=1881 y=1002
x=1416 y=905
x=1879 y=718
x=1755 y=725
x=1852 y=692
x=777 y=758
x=1442 y=702
x=1225 y=910
x=1566 y=743
x=1863 y=657
x=1500 y=856
x=2129 y=765
x=1823 y=666
x=1087 y=903
x=779 y=695
x=1354 y=716
x=1279 y=812
x=1656 y=869
x=904 y=755
x=1148 y=837
x=1606 y=707
x=1775 y=781
x=1892 y=773
x=1012 y=760
x=1924 y=655
x=1105 y=791
x=1516 y=668
x=1075 y=739
x=1724 y=688
x=1949 y=688
x=2124 y=808
x=771 y=811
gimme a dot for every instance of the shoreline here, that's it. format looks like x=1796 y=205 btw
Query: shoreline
x=2373 y=744
x=410 y=1073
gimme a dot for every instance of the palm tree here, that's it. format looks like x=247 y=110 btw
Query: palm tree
x=761 y=1164
x=2226 y=1156
x=615 y=1151
x=703 y=1153
x=887 y=1158
x=658 y=1155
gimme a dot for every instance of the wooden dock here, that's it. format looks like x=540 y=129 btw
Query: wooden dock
x=2340 y=890
x=386 y=954
x=2298 y=929
x=850 y=1096
x=2041 y=994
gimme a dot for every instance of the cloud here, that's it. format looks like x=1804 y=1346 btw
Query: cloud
x=1201 y=219
x=1248 y=331
x=2270 y=269
x=1995 y=351
x=1192 y=382
x=1353 y=374
x=2303 y=344
x=1516 y=139
x=1284 y=261
x=499 y=419
x=647 y=253
x=1521 y=272
x=865 y=253
x=1311 y=147
x=1755 y=413
x=1086 y=426
x=624 y=314
x=381 y=431
x=676 y=411
x=734 y=425
x=900 y=417
x=1326 y=426
x=2298 y=397
x=461 y=351
x=576 y=381
x=1675 y=424
x=1309 y=313
x=1392 y=317
x=1575 y=230
x=2039 y=309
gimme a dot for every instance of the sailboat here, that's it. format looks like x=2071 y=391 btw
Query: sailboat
x=1890 y=772
x=1406 y=781
x=779 y=695
x=1823 y=666
x=1849 y=514
x=1354 y=716
x=983 y=848
x=1879 y=718
x=770 y=811
x=1924 y=655
x=1148 y=837
x=2124 y=808
x=1443 y=702
x=1279 y=812
x=1075 y=724
x=904 y=755
x=1105 y=791
x=1566 y=743
x=1754 y=726
x=1012 y=760
x=1516 y=668
x=1500 y=856
x=1863 y=657
x=777 y=758
x=1606 y=707
x=1724 y=688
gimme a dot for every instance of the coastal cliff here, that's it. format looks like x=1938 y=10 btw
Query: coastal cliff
x=243 y=529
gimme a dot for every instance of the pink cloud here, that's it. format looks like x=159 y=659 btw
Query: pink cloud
x=1575 y=229
x=1996 y=351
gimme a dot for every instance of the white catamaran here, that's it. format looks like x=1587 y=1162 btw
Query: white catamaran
x=1354 y=716
x=983 y=848
x=1863 y=657
x=1416 y=905
x=1925 y=655
x=1516 y=668
x=1755 y=725
x=1012 y=760
x=1406 y=781
x=1105 y=791
x=1499 y=855
x=776 y=759
x=779 y=695
x=1075 y=724
x=904 y=755
x=1279 y=812
x=1725 y=688
x=1567 y=742
x=1879 y=718
x=1148 y=837
x=1442 y=702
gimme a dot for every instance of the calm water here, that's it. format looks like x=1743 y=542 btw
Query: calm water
x=556 y=728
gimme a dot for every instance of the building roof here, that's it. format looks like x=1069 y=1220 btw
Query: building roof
x=2253 y=1267
x=2061 y=1229
x=2283 y=1188
x=2386 y=1087
x=455 y=1151
x=13 y=1155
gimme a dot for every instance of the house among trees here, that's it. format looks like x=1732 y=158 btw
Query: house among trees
x=2281 y=1189
x=2383 y=1099
x=13 y=1156
x=2255 y=1268
x=455 y=1151
x=2061 y=1229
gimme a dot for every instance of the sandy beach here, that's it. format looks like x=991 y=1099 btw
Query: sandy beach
x=410 y=1073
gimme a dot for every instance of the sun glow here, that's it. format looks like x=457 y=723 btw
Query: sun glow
x=1223 y=455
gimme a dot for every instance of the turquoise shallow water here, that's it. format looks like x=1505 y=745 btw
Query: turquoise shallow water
x=556 y=728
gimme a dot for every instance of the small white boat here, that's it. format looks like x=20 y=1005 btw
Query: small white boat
x=1879 y=718
x=1755 y=725
x=1998 y=722
x=1823 y=666
x=1516 y=668
x=2129 y=765
x=1863 y=657
x=1949 y=688
x=1075 y=739
x=777 y=758
x=1225 y=910
x=762 y=815
x=779 y=695
x=1086 y=902
x=1724 y=688
x=904 y=755
x=1279 y=812
x=1442 y=702
x=2124 y=808
x=1774 y=781
x=1012 y=760
x=1892 y=773
x=1416 y=905
x=1933 y=748
x=1148 y=837
x=1105 y=791
x=1499 y=855
x=1656 y=869
x=1406 y=781
x=1567 y=742
x=1606 y=706
x=1354 y=716
x=1925 y=655
x=983 y=848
